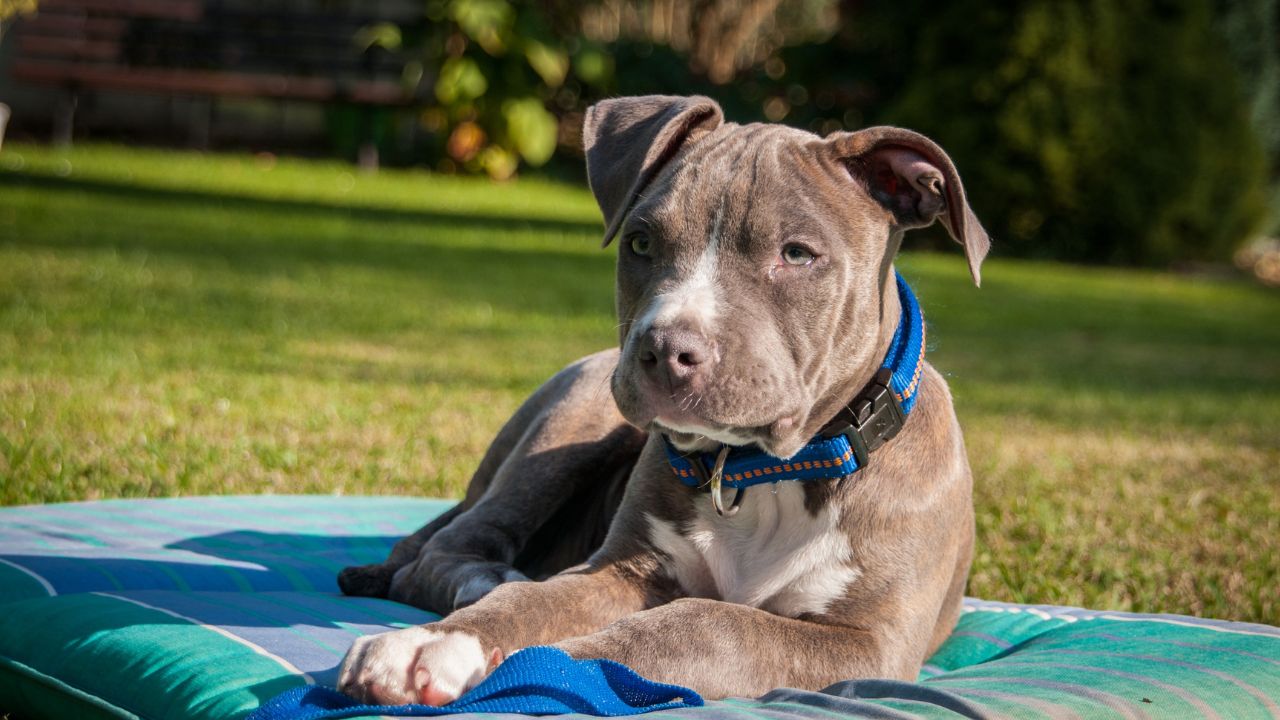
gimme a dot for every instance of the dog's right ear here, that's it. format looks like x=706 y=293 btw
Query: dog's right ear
x=911 y=176
x=628 y=140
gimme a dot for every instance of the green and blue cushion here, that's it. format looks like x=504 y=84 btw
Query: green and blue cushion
x=208 y=607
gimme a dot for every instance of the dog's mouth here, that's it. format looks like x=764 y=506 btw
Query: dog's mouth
x=778 y=438
x=690 y=437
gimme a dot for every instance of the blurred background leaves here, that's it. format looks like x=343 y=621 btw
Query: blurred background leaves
x=1142 y=132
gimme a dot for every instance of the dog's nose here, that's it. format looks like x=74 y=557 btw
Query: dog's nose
x=674 y=356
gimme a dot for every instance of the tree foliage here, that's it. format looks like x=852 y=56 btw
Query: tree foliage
x=9 y=8
x=1090 y=131
x=508 y=79
x=12 y=8
x=494 y=67
x=1251 y=29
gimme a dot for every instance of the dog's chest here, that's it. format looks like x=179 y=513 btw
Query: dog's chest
x=773 y=554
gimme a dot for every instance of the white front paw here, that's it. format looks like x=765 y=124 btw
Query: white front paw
x=415 y=665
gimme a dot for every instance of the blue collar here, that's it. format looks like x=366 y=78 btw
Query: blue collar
x=844 y=446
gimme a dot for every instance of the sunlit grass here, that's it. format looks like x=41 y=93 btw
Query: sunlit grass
x=172 y=323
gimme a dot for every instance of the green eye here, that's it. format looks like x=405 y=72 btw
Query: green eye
x=796 y=255
x=640 y=244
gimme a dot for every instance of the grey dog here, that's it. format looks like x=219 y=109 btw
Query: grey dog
x=756 y=295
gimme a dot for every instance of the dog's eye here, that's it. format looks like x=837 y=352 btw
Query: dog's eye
x=640 y=244
x=796 y=255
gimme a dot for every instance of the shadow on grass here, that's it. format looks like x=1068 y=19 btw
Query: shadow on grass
x=1113 y=344
x=271 y=237
x=248 y=203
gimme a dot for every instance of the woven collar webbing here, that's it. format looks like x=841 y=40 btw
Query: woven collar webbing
x=838 y=451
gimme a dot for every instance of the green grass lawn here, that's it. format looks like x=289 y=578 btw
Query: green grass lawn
x=176 y=324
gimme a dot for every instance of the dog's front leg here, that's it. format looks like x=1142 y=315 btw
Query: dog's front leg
x=435 y=664
x=721 y=649
x=539 y=503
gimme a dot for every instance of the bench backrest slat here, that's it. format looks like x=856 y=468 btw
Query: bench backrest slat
x=189 y=10
x=214 y=47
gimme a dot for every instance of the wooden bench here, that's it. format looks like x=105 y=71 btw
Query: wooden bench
x=209 y=48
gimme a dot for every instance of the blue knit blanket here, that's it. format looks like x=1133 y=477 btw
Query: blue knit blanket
x=533 y=681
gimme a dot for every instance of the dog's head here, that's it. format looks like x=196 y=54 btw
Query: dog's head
x=755 y=285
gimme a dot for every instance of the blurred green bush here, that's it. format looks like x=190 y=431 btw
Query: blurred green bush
x=1091 y=131
x=10 y=9
x=1142 y=132
x=496 y=68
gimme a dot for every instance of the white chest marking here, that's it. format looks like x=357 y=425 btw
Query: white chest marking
x=773 y=554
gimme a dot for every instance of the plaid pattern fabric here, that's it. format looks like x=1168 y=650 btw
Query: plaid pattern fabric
x=209 y=607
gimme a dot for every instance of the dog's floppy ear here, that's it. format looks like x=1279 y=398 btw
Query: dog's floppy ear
x=628 y=140
x=910 y=175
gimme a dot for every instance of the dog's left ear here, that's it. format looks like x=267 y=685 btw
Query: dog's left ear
x=629 y=140
x=911 y=176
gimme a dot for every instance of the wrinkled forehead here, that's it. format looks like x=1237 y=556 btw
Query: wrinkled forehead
x=737 y=170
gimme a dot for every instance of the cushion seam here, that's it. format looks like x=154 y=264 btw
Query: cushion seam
x=31 y=673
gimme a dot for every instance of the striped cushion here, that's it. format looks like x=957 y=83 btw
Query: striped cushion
x=206 y=607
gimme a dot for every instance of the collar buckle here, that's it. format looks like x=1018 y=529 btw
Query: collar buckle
x=877 y=417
